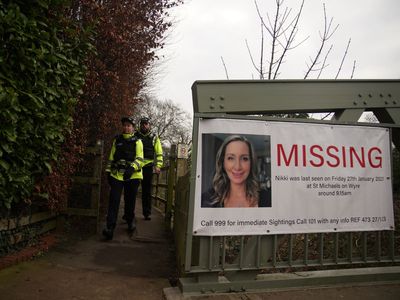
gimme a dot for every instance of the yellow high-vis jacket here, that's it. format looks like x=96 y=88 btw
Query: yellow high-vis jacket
x=153 y=152
x=126 y=151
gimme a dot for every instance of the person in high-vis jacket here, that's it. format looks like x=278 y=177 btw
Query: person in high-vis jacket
x=124 y=171
x=153 y=161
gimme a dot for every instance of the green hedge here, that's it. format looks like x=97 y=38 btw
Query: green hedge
x=41 y=74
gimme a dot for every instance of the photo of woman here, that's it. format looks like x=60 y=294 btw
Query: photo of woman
x=236 y=179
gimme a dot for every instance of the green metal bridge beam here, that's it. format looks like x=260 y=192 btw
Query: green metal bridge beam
x=348 y=115
x=348 y=99
x=274 y=96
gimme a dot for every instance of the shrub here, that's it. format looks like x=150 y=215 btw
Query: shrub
x=41 y=74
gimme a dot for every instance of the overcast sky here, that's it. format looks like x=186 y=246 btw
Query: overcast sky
x=206 y=30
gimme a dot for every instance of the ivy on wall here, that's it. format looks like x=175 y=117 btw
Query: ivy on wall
x=41 y=75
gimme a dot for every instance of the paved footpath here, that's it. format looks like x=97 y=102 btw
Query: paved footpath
x=140 y=266
x=128 y=267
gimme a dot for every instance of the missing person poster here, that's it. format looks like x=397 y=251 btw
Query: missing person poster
x=263 y=177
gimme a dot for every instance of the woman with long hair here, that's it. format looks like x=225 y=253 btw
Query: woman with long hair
x=235 y=181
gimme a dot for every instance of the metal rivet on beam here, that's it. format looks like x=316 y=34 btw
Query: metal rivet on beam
x=212 y=106
x=212 y=98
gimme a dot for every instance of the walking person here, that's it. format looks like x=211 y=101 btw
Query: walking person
x=153 y=161
x=124 y=173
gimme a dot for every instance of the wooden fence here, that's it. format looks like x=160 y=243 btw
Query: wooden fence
x=18 y=232
x=164 y=186
x=85 y=194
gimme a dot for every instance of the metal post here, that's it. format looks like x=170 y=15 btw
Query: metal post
x=171 y=186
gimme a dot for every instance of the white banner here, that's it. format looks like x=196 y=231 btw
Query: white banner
x=258 y=177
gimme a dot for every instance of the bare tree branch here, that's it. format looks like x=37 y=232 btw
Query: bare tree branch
x=277 y=29
x=169 y=122
x=261 y=18
x=281 y=31
x=344 y=56
x=324 y=38
x=251 y=57
x=226 y=71
x=274 y=38
x=352 y=71
x=289 y=40
x=324 y=62
x=326 y=116
x=262 y=54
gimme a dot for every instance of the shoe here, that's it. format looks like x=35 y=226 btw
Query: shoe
x=108 y=234
x=147 y=218
x=132 y=226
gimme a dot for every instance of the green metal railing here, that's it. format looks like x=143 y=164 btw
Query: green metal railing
x=300 y=251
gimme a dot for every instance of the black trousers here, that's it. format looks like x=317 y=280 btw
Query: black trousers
x=146 y=189
x=130 y=189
